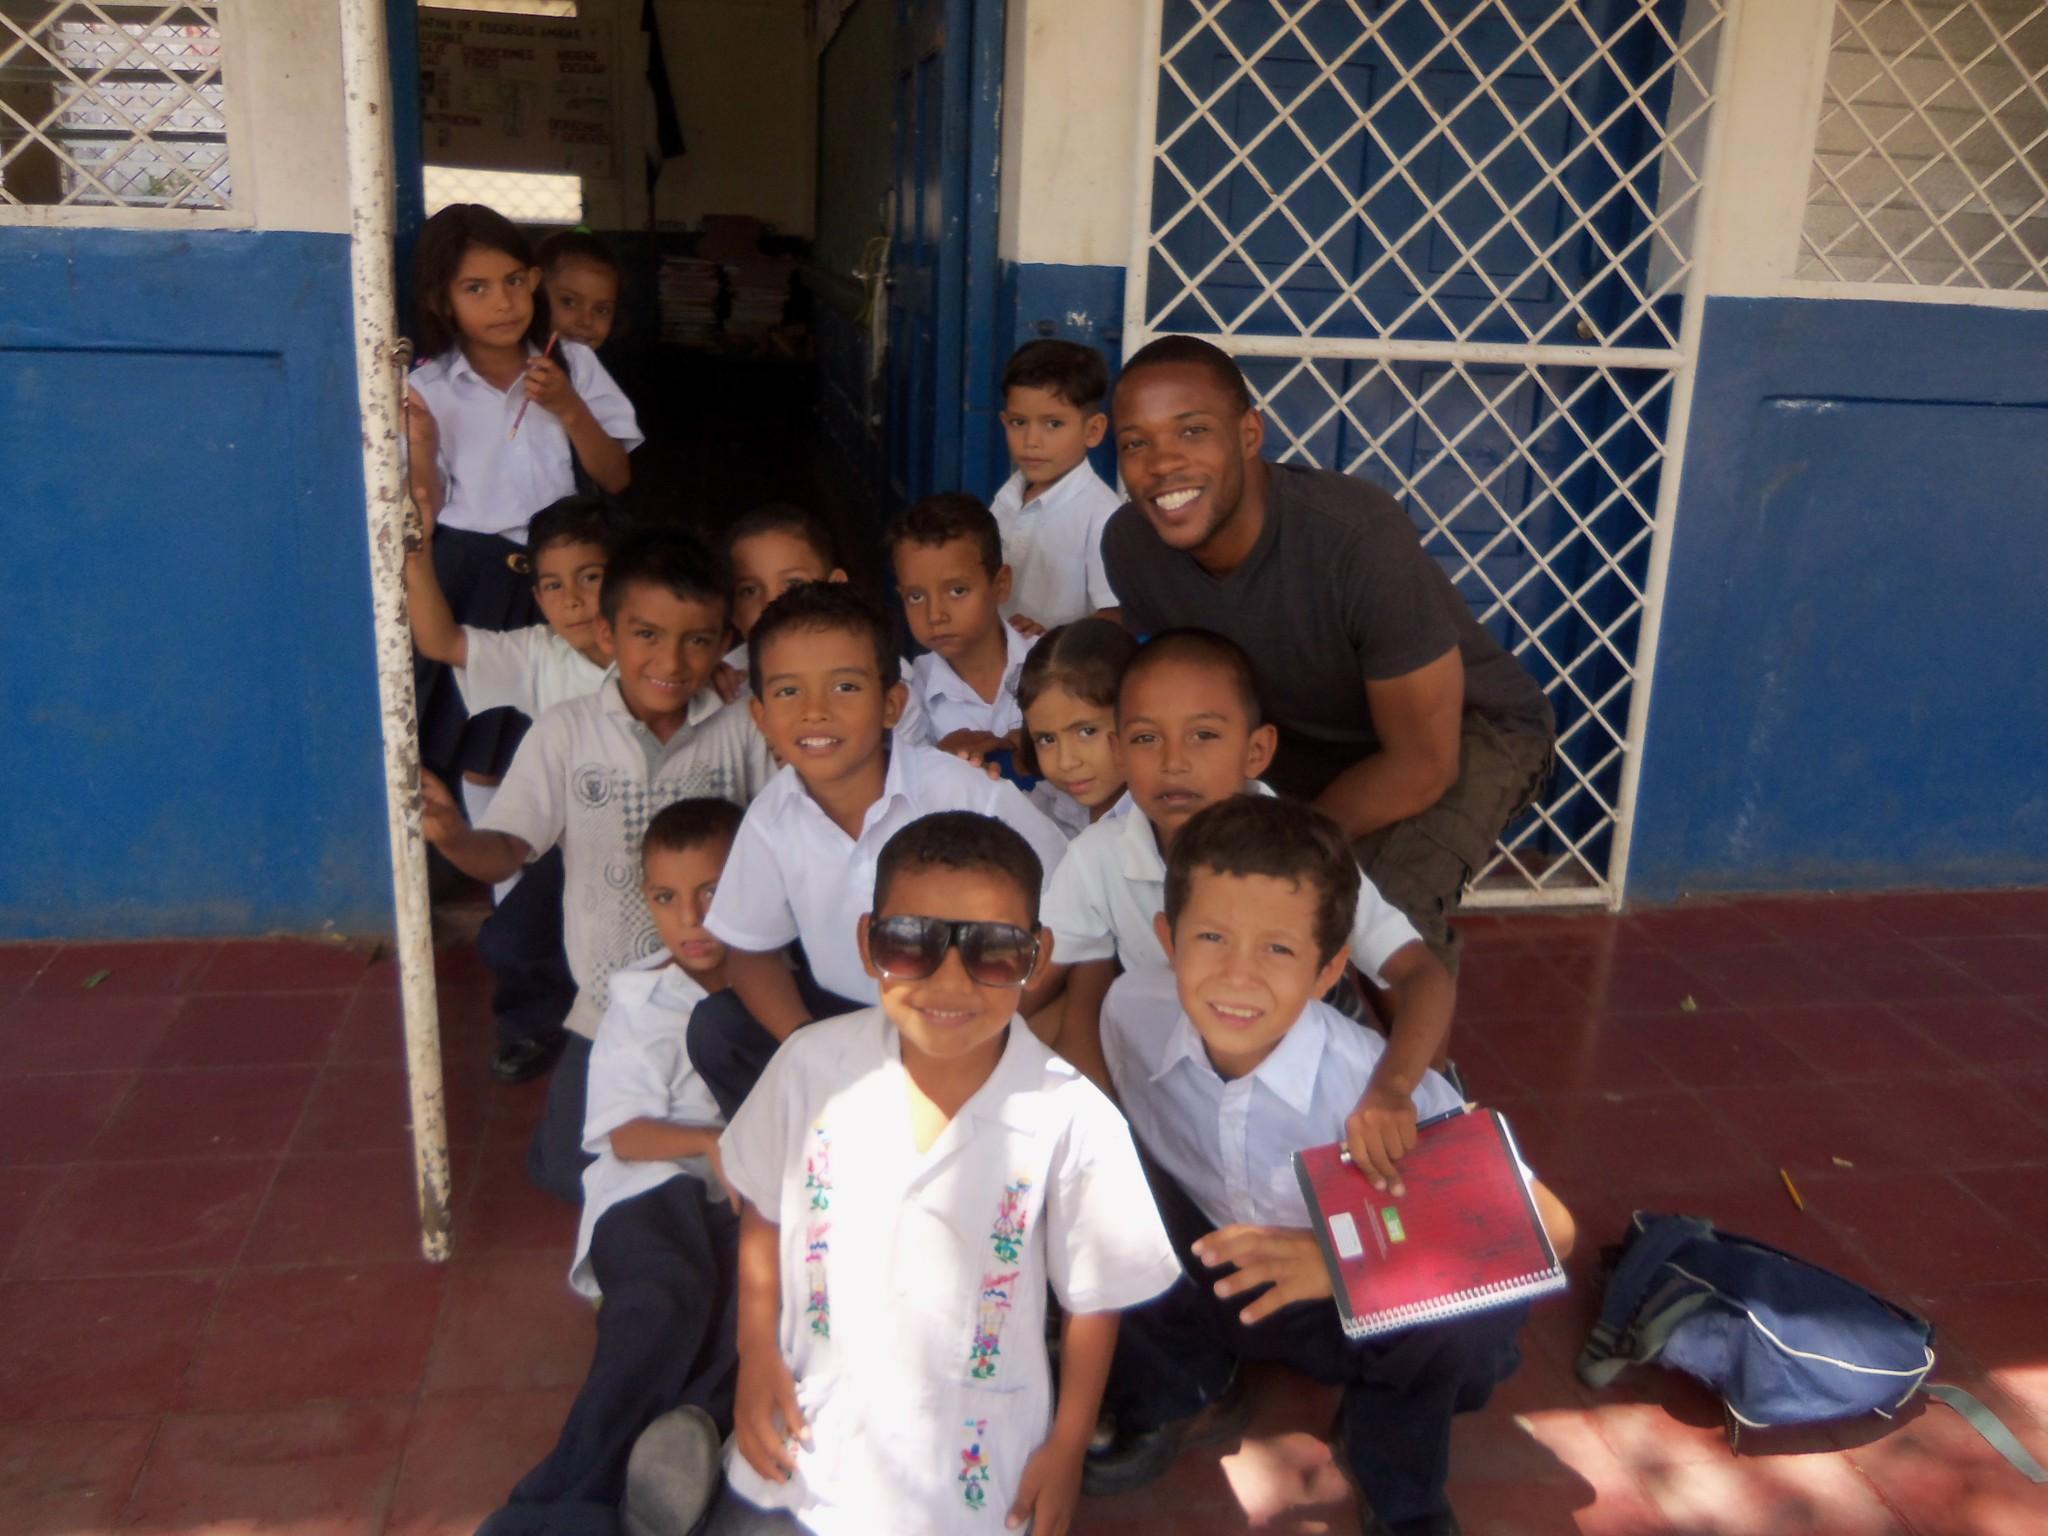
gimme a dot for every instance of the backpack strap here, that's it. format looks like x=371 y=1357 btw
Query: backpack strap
x=1987 y=1424
x=1613 y=1342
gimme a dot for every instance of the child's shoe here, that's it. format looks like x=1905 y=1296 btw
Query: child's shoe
x=1137 y=1457
x=672 y=1475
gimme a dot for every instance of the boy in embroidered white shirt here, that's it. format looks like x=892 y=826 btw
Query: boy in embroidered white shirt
x=914 y=1176
x=827 y=693
x=1053 y=509
x=659 y=1238
x=592 y=773
x=950 y=575
x=1227 y=1065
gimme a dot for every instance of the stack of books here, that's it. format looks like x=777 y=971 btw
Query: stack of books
x=690 y=290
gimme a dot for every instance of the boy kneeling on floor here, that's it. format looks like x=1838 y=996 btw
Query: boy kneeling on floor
x=1227 y=1065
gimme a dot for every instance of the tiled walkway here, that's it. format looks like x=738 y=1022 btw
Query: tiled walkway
x=212 y=1318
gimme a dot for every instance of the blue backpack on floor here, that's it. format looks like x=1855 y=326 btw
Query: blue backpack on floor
x=1779 y=1340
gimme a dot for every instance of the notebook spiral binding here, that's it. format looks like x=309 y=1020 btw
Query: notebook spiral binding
x=1443 y=1308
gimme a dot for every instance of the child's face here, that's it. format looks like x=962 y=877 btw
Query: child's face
x=1047 y=435
x=948 y=1014
x=822 y=706
x=567 y=578
x=678 y=885
x=1076 y=746
x=1245 y=963
x=582 y=298
x=768 y=565
x=666 y=647
x=952 y=602
x=1186 y=742
x=491 y=299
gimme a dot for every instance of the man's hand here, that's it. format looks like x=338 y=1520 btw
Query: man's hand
x=728 y=681
x=548 y=386
x=1379 y=1133
x=1029 y=628
x=440 y=817
x=765 y=1418
x=1285 y=1258
x=1048 y=1489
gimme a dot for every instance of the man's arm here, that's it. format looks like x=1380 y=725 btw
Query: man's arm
x=1418 y=717
x=768 y=988
x=1381 y=1130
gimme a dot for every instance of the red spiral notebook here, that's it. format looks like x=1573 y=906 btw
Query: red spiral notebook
x=1463 y=1237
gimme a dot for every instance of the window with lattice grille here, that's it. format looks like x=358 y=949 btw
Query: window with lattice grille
x=113 y=106
x=1931 y=164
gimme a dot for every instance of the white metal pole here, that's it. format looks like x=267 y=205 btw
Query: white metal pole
x=366 y=83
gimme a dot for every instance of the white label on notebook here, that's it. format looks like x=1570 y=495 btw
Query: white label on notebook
x=1344 y=1233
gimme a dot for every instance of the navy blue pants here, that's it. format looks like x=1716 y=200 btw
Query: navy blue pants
x=521 y=943
x=730 y=1050
x=667 y=1261
x=1179 y=1351
x=555 y=1158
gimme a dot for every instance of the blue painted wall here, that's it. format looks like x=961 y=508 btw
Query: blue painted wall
x=1034 y=301
x=191 y=742
x=1850 y=689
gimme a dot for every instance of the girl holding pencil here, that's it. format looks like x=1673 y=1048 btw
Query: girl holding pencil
x=484 y=461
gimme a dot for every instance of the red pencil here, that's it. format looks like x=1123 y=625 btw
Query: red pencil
x=521 y=416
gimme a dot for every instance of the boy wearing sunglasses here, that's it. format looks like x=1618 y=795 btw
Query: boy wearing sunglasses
x=914 y=1176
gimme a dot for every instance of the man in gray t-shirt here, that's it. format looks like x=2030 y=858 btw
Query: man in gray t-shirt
x=1398 y=715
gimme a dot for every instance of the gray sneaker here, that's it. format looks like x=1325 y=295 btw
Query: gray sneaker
x=672 y=1475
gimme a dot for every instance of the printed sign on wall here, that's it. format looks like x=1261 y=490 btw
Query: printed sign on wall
x=517 y=93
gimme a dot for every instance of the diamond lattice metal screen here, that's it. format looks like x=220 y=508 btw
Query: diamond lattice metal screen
x=525 y=197
x=1931 y=162
x=105 y=105
x=1451 y=243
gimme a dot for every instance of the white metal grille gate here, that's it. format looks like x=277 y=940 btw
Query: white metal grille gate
x=1450 y=242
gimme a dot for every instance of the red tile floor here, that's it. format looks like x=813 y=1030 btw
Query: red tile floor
x=213 y=1317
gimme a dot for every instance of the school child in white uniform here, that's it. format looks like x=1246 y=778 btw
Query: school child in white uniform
x=914 y=1175
x=768 y=551
x=1067 y=692
x=590 y=776
x=659 y=1238
x=1053 y=509
x=826 y=694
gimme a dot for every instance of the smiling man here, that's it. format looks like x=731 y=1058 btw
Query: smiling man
x=1397 y=714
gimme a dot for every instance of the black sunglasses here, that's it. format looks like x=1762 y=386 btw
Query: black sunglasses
x=911 y=948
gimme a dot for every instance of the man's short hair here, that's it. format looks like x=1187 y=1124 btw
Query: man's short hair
x=1066 y=369
x=961 y=840
x=943 y=518
x=820 y=607
x=1281 y=839
x=672 y=559
x=1197 y=648
x=578 y=519
x=691 y=824
x=1202 y=354
x=784 y=517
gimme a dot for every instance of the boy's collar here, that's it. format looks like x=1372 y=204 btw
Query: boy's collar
x=896 y=774
x=1015 y=649
x=1002 y=1098
x=1065 y=483
x=703 y=704
x=1139 y=855
x=1289 y=1069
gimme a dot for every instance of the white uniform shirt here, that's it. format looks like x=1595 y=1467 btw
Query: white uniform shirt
x=913 y=1284
x=530 y=670
x=736 y=658
x=1064 y=811
x=1113 y=883
x=496 y=482
x=940 y=702
x=1053 y=545
x=793 y=874
x=639 y=1070
x=590 y=777
x=1230 y=1143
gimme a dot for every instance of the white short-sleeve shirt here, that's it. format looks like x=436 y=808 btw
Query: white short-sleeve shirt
x=793 y=874
x=939 y=702
x=736 y=658
x=589 y=776
x=1053 y=546
x=496 y=481
x=1113 y=883
x=1230 y=1143
x=913 y=1284
x=530 y=670
x=639 y=1070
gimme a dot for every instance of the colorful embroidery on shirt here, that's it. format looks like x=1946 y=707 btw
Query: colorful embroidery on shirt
x=974 y=1468
x=1008 y=1237
x=997 y=1294
x=818 y=1233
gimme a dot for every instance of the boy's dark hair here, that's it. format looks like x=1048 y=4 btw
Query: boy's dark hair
x=784 y=517
x=690 y=824
x=673 y=559
x=1075 y=373
x=577 y=519
x=1203 y=354
x=816 y=607
x=1197 y=648
x=961 y=840
x=1281 y=839
x=1086 y=657
x=943 y=518
x=575 y=245
x=438 y=257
